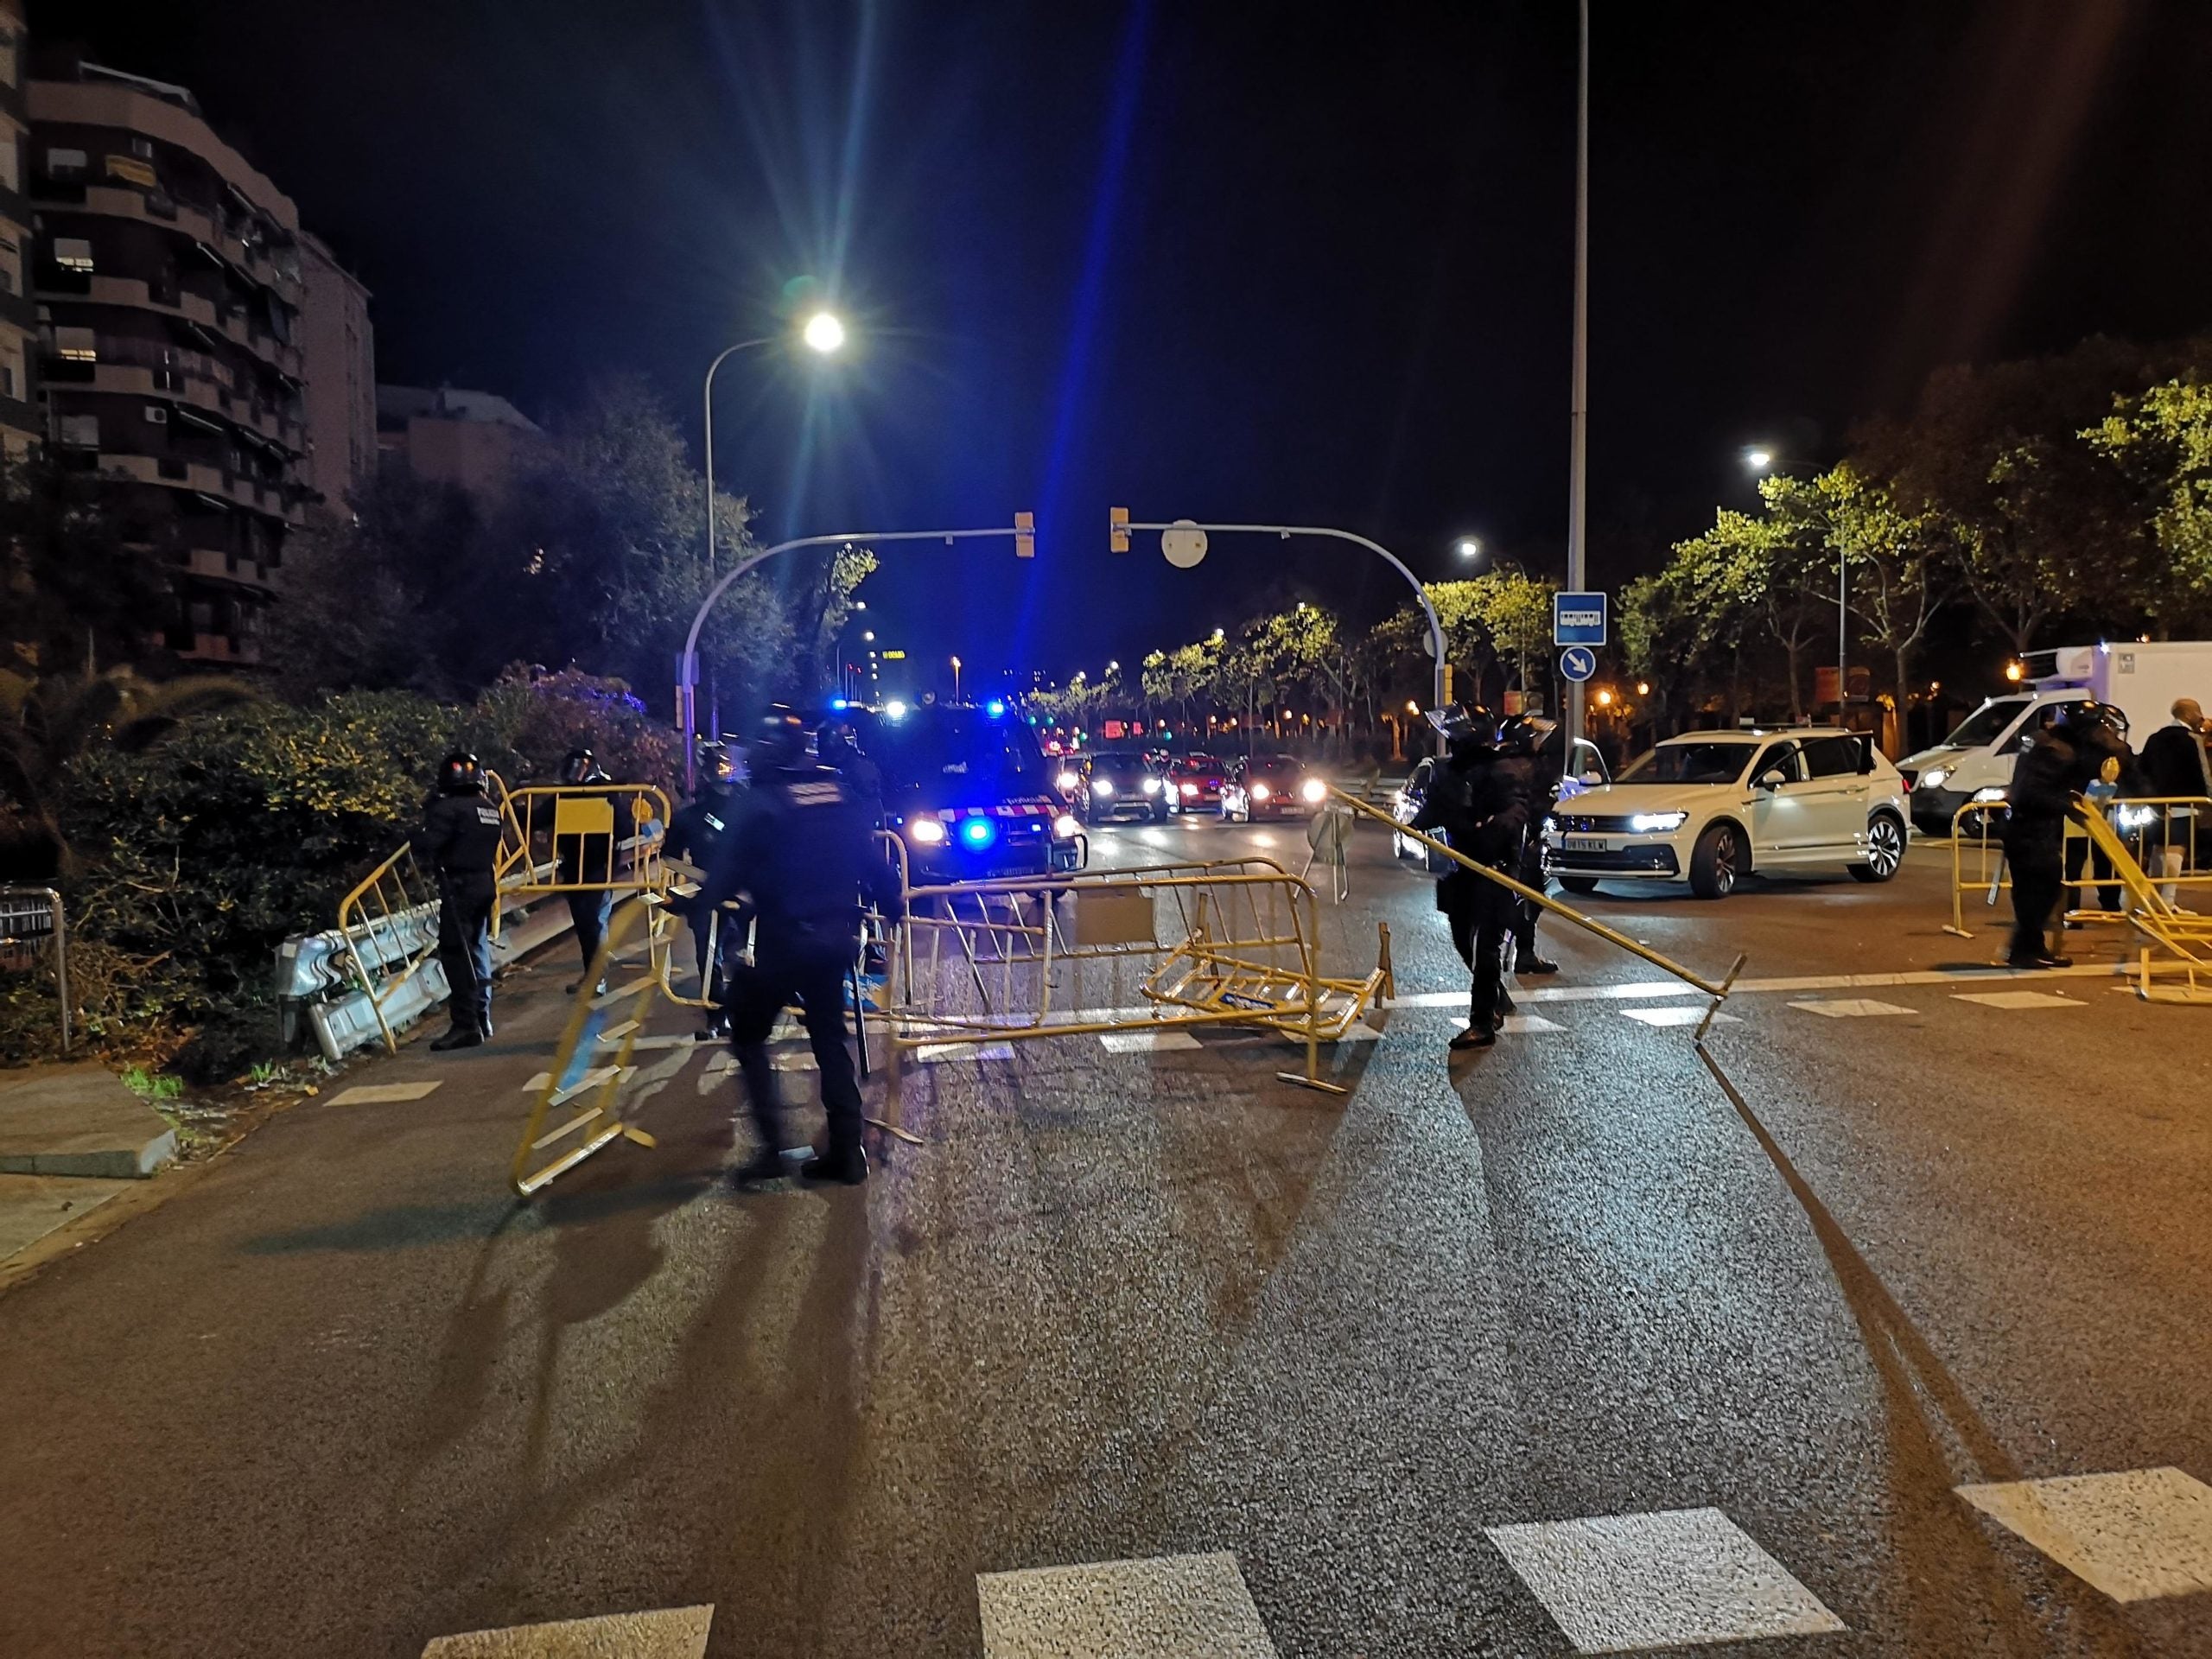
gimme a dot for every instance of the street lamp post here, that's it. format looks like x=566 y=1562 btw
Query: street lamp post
x=822 y=333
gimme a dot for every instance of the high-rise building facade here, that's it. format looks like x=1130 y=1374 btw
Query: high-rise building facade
x=168 y=274
x=20 y=426
x=340 y=398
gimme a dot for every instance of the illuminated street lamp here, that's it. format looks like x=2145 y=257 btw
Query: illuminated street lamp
x=1759 y=460
x=956 y=679
x=821 y=333
x=1469 y=548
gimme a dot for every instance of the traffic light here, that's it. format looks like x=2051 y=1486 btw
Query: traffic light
x=1025 y=535
x=1118 y=529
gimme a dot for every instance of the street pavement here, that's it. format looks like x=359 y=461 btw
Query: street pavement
x=1565 y=1347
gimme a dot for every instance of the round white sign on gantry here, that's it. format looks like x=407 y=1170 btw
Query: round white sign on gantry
x=1183 y=543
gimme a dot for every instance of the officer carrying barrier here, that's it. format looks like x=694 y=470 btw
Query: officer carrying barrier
x=1162 y=948
x=2146 y=826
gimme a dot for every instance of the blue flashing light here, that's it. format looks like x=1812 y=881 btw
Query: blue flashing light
x=978 y=833
x=995 y=707
x=839 y=704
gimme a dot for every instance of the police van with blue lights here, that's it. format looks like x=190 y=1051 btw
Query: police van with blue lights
x=969 y=792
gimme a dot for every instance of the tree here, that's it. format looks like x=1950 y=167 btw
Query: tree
x=1900 y=573
x=2160 y=440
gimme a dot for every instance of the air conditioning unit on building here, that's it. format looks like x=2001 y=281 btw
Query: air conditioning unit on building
x=157 y=415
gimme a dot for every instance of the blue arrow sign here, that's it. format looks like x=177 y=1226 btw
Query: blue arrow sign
x=1578 y=662
x=1578 y=619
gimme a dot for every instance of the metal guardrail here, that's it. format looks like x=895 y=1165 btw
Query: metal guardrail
x=33 y=913
x=2183 y=934
x=2136 y=822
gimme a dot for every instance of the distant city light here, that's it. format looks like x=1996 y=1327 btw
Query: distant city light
x=824 y=333
x=2012 y=672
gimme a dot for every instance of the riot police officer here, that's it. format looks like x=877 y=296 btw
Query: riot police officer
x=695 y=834
x=1481 y=808
x=2059 y=762
x=800 y=843
x=582 y=861
x=838 y=745
x=1542 y=745
x=460 y=841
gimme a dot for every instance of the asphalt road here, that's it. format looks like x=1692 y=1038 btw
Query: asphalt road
x=1366 y=1361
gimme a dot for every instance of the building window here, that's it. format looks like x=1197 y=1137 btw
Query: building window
x=10 y=380
x=9 y=176
x=74 y=254
x=79 y=431
x=76 y=345
x=11 y=264
x=65 y=164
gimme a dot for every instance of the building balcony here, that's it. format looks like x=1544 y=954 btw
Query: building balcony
x=139 y=296
x=220 y=648
x=276 y=500
x=217 y=566
x=132 y=380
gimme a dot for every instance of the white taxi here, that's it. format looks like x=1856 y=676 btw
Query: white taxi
x=1710 y=807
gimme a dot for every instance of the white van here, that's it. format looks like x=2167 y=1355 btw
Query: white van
x=1975 y=761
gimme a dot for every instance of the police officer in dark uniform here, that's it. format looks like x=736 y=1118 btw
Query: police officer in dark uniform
x=838 y=745
x=1543 y=742
x=581 y=859
x=1482 y=809
x=2059 y=762
x=800 y=843
x=461 y=841
x=695 y=834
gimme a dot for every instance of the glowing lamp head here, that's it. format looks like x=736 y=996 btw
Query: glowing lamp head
x=1757 y=460
x=824 y=333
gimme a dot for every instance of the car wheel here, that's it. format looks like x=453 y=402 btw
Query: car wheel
x=1583 y=885
x=1884 y=849
x=1714 y=862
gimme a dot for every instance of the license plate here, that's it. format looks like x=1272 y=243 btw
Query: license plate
x=1587 y=844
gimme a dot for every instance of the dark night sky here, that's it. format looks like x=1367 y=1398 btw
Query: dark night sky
x=1264 y=261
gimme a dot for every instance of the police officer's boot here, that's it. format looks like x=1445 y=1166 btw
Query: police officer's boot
x=767 y=1165
x=1527 y=962
x=462 y=1036
x=849 y=1166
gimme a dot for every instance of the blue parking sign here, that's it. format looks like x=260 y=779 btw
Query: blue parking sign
x=1578 y=619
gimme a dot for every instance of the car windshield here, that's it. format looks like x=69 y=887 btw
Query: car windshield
x=1108 y=761
x=1274 y=766
x=1197 y=763
x=932 y=746
x=1690 y=763
x=1986 y=723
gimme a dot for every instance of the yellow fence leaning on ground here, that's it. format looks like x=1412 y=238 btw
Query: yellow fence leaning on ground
x=590 y=1065
x=2144 y=825
x=2182 y=934
x=1164 y=948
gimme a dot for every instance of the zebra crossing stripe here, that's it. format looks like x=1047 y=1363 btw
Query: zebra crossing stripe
x=667 y=1633
x=1165 y=1607
x=2134 y=1536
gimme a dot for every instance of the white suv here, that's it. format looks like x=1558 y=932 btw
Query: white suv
x=1711 y=807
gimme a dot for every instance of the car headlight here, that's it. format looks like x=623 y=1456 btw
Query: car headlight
x=1259 y=792
x=926 y=832
x=1103 y=789
x=1152 y=785
x=1314 y=790
x=1065 y=826
x=1189 y=789
x=2135 y=818
x=1068 y=780
x=1932 y=779
x=1644 y=824
x=1994 y=792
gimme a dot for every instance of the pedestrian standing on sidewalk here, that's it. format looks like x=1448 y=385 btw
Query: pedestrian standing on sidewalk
x=460 y=841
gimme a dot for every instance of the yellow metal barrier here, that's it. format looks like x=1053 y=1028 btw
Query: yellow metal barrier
x=2140 y=822
x=2184 y=934
x=582 y=825
x=1717 y=990
x=1232 y=943
x=394 y=910
x=584 y=1070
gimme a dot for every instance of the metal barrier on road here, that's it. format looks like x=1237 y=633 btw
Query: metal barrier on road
x=585 y=1069
x=2142 y=824
x=1164 y=948
x=29 y=915
x=2184 y=934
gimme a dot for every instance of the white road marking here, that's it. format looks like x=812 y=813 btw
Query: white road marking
x=1619 y=1583
x=615 y=1033
x=2145 y=1533
x=1677 y=1016
x=666 y=1633
x=1527 y=1024
x=375 y=1094
x=937 y=1054
x=2018 y=999
x=1647 y=990
x=1850 y=1007
x=1166 y=1607
x=1145 y=1042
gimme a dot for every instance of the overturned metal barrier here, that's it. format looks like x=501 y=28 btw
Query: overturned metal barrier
x=2184 y=935
x=1163 y=948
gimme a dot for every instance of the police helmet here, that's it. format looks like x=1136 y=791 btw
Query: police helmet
x=459 y=773
x=1518 y=734
x=2096 y=718
x=1468 y=723
x=778 y=739
x=834 y=741
x=580 y=766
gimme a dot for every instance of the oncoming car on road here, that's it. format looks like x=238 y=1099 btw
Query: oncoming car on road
x=970 y=795
x=1107 y=783
x=1194 y=783
x=1710 y=807
x=1269 y=786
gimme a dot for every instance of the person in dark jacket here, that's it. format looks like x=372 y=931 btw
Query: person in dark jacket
x=1542 y=743
x=460 y=841
x=1482 y=810
x=2059 y=762
x=837 y=745
x=695 y=834
x=2174 y=768
x=801 y=843
x=580 y=861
